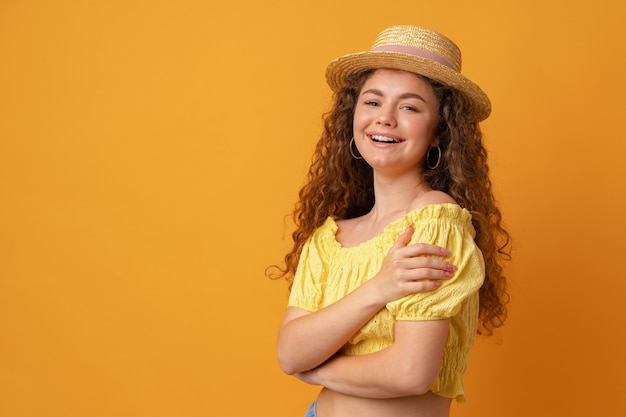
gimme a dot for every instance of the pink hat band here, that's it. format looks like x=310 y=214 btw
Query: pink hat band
x=411 y=50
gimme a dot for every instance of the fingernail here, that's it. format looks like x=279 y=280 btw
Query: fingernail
x=452 y=267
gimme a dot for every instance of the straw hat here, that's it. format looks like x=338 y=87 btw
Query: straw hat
x=418 y=50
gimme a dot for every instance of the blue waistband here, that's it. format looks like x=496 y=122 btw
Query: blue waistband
x=311 y=411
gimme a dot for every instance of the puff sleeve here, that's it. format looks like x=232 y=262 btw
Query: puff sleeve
x=450 y=228
x=310 y=277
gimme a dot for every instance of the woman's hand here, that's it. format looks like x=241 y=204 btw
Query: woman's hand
x=409 y=269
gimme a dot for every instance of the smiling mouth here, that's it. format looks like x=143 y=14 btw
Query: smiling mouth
x=384 y=139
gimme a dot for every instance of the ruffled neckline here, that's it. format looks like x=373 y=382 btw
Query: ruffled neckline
x=428 y=212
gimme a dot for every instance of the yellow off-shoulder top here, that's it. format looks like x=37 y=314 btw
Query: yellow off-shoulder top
x=328 y=271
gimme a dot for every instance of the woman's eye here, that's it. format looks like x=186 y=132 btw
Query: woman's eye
x=371 y=103
x=409 y=108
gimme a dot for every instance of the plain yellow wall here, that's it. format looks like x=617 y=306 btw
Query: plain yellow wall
x=149 y=151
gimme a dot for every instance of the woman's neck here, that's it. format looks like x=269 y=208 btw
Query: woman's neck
x=395 y=195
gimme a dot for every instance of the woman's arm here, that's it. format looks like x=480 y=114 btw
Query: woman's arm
x=408 y=367
x=306 y=340
x=411 y=365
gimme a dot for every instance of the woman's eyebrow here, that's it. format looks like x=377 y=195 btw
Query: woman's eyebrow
x=413 y=95
x=402 y=96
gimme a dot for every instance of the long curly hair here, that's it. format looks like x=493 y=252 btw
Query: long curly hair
x=341 y=186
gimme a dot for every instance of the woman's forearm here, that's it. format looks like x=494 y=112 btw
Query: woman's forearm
x=369 y=376
x=409 y=367
x=306 y=340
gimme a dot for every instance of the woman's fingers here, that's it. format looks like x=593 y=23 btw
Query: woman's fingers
x=422 y=286
x=419 y=249
x=423 y=261
x=427 y=263
x=411 y=268
x=404 y=239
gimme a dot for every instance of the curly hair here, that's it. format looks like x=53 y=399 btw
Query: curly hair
x=341 y=186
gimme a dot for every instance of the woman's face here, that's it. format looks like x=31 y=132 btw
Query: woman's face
x=394 y=121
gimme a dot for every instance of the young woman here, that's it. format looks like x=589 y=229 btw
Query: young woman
x=396 y=263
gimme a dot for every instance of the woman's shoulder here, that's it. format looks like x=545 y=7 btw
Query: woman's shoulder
x=346 y=223
x=431 y=198
x=327 y=229
x=437 y=206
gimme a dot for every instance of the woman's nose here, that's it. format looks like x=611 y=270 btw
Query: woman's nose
x=386 y=117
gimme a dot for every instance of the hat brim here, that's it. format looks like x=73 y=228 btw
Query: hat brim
x=340 y=68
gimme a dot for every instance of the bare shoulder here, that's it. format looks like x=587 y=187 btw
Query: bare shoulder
x=347 y=223
x=347 y=227
x=431 y=197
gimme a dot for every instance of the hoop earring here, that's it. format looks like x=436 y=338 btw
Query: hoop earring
x=428 y=158
x=351 y=151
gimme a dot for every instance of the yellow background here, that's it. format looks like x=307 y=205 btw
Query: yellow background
x=150 y=150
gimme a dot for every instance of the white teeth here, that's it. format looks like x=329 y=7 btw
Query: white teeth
x=379 y=138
